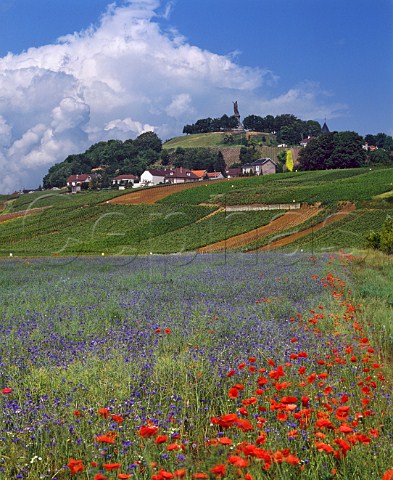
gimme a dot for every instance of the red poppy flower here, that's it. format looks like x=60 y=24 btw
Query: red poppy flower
x=244 y=425
x=75 y=466
x=105 y=439
x=237 y=461
x=243 y=411
x=225 y=441
x=282 y=417
x=344 y=428
x=363 y=438
x=173 y=446
x=161 y=439
x=100 y=476
x=233 y=392
x=219 y=470
x=117 y=418
x=162 y=475
x=292 y=459
x=288 y=400
x=111 y=466
x=200 y=475
x=181 y=473
x=276 y=374
x=249 y=401
x=103 y=412
x=6 y=391
x=231 y=373
x=388 y=475
x=148 y=431
x=324 y=447
x=167 y=331
x=124 y=476
x=305 y=401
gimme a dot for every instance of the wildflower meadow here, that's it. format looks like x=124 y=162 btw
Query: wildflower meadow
x=233 y=366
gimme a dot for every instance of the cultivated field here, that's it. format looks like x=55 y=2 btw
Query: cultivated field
x=175 y=219
x=260 y=366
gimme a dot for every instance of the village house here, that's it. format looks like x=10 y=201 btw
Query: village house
x=78 y=182
x=305 y=141
x=152 y=177
x=233 y=172
x=181 y=175
x=173 y=176
x=201 y=174
x=215 y=175
x=123 y=181
x=262 y=166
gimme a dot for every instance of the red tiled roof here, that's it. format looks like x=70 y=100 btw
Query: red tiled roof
x=125 y=177
x=199 y=173
x=181 y=173
x=84 y=177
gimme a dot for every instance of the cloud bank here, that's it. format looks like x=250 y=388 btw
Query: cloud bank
x=117 y=80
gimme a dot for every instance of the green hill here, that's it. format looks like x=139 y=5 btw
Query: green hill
x=220 y=139
x=229 y=143
x=62 y=224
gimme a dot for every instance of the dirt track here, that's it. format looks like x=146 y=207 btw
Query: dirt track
x=22 y=213
x=148 y=196
x=335 y=217
x=289 y=219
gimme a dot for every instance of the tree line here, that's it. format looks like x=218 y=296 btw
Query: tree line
x=342 y=150
x=287 y=127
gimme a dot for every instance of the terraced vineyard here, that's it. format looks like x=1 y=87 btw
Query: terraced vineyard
x=289 y=219
x=181 y=218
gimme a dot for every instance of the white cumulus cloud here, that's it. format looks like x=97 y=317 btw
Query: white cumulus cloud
x=117 y=80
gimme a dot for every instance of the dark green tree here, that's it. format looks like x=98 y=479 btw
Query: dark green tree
x=348 y=151
x=316 y=156
x=148 y=141
x=333 y=150
x=380 y=157
x=289 y=135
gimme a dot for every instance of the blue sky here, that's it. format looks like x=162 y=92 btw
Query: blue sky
x=76 y=72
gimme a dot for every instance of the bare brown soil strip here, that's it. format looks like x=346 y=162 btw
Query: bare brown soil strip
x=290 y=219
x=10 y=216
x=335 y=217
x=149 y=196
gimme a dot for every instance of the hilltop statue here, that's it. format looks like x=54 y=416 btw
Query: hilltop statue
x=236 y=114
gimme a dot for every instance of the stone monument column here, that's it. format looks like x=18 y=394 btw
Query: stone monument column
x=236 y=114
